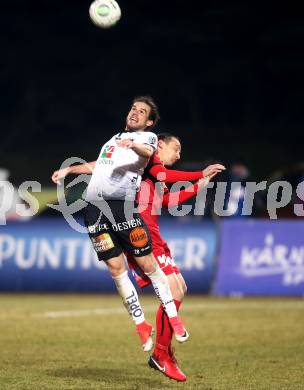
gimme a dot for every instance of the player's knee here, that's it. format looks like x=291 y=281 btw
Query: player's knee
x=147 y=263
x=182 y=290
x=175 y=287
x=117 y=272
x=116 y=267
x=178 y=295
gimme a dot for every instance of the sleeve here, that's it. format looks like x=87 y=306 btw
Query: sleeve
x=160 y=173
x=148 y=138
x=176 y=198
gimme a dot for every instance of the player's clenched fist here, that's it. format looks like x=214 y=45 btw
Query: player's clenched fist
x=57 y=175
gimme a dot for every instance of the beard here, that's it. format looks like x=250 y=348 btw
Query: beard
x=132 y=129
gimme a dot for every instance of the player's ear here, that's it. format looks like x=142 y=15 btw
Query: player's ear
x=149 y=123
x=160 y=143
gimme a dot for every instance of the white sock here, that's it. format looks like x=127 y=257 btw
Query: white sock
x=129 y=296
x=162 y=290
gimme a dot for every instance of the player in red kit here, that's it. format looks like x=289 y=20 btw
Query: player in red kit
x=152 y=196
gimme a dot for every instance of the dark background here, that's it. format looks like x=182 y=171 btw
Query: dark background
x=227 y=78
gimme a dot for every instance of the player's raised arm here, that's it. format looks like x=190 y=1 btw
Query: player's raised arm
x=86 y=168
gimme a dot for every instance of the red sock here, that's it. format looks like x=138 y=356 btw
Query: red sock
x=164 y=331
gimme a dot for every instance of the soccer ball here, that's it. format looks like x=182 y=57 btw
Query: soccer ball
x=104 y=13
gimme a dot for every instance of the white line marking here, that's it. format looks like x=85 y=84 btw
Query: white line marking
x=233 y=305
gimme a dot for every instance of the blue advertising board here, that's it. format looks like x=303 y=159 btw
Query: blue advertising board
x=45 y=254
x=193 y=246
x=261 y=258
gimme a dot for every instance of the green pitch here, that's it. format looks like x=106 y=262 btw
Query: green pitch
x=85 y=342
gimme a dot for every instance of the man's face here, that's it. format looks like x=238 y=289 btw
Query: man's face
x=138 y=117
x=169 y=152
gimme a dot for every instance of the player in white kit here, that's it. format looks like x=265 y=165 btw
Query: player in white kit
x=113 y=224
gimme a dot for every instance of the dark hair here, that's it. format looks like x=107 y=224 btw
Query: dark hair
x=154 y=114
x=167 y=137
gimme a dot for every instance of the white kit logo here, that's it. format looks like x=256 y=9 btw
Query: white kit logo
x=273 y=259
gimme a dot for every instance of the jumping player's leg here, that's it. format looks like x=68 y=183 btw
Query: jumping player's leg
x=159 y=281
x=162 y=358
x=162 y=289
x=109 y=250
x=163 y=355
x=164 y=330
x=125 y=288
x=130 y=299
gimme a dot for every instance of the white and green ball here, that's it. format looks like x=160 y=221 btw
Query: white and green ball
x=104 y=13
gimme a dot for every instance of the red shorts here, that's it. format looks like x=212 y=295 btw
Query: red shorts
x=164 y=259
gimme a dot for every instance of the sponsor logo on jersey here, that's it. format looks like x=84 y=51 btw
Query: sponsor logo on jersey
x=102 y=243
x=126 y=225
x=164 y=260
x=106 y=161
x=152 y=140
x=97 y=228
x=108 y=151
x=139 y=237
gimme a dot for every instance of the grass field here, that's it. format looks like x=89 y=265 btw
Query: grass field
x=88 y=342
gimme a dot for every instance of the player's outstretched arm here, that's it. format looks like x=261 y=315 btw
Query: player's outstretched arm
x=176 y=198
x=160 y=173
x=86 y=168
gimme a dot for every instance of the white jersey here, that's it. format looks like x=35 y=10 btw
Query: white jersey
x=117 y=173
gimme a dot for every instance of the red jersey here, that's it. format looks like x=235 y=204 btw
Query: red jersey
x=154 y=194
